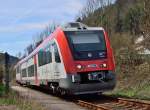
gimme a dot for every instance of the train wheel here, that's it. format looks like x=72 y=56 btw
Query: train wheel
x=52 y=88
x=62 y=92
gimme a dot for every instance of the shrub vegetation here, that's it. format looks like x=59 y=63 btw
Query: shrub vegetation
x=125 y=21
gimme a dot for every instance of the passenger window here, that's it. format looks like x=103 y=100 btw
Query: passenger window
x=45 y=56
x=18 y=69
x=31 y=71
x=24 y=73
x=48 y=55
x=40 y=57
x=56 y=53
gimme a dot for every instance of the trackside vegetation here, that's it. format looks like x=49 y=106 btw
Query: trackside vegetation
x=11 y=100
x=2 y=89
x=126 y=21
x=14 y=101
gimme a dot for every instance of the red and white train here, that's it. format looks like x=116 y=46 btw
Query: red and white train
x=76 y=59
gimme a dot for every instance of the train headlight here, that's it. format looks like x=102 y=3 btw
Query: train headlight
x=79 y=66
x=104 y=65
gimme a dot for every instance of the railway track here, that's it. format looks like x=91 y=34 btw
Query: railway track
x=116 y=104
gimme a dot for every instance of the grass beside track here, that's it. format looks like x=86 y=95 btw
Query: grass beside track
x=137 y=92
x=2 y=89
x=13 y=101
x=133 y=81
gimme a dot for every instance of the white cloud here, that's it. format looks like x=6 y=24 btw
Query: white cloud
x=24 y=27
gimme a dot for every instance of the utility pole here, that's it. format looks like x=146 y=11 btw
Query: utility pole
x=7 y=72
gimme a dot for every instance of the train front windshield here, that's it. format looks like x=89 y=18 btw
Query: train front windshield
x=87 y=44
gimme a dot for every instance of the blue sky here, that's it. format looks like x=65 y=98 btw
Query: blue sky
x=20 y=20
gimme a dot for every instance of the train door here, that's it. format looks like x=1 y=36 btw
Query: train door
x=56 y=61
x=35 y=68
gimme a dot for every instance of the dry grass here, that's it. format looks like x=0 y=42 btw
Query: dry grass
x=134 y=81
x=15 y=101
x=132 y=69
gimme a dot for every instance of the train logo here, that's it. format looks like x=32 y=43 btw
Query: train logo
x=89 y=54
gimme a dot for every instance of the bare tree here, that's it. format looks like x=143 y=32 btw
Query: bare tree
x=30 y=48
x=39 y=37
x=1 y=73
x=19 y=55
x=90 y=8
x=146 y=24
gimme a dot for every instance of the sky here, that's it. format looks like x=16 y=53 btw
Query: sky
x=20 y=20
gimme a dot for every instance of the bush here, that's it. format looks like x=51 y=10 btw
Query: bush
x=2 y=89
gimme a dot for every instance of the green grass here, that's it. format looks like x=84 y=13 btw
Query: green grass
x=8 y=101
x=138 y=93
x=2 y=89
x=125 y=93
x=12 y=98
x=21 y=104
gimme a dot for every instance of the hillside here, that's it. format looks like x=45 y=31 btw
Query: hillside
x=125 y=21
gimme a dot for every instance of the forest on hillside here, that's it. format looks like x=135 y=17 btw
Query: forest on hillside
x=124 y=16
x=128 y=25
x=109 y=14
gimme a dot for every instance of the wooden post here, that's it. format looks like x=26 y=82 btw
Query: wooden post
x=7 y=72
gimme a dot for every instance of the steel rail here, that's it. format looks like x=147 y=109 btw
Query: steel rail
x=127 y=104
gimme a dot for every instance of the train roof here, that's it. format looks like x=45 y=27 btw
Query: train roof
x=73 y=26
x=77 y=26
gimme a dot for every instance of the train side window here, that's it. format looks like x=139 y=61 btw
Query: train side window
x=56 y=53
x=31 y=71
x=40 y=57
x=24 y=73
x=45 y=56
x=48 y=55
x=18 y=69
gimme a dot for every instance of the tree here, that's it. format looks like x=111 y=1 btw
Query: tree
x=145 y=24
x=91 y=6
x=146 y=18
x=30 y=48
x=19 y=55
x=38 y=38
x=133 y=19
x=1 y=73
